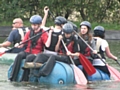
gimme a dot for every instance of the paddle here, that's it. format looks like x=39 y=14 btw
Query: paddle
x=114 y=73
x=79 y=76
x=25 y=41
x=84 y=61
x=117 y=62
x=90 y=70
x=51 y=14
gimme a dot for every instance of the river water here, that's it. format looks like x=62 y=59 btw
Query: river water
x=107 y=85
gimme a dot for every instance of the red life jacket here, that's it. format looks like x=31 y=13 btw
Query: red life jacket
x=69 y=44
x=39 y=43
x=87 y=51
x=84 y=49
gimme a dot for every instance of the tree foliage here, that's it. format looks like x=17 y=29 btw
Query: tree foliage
x=92 y=10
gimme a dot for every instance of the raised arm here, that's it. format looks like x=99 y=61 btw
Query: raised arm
x=46 y=9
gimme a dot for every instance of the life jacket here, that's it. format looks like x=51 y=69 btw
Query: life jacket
x=22 y=32
x=69 y=42
x=84 y=49
x=54 y=40
x=98 y=48
x=34 y=40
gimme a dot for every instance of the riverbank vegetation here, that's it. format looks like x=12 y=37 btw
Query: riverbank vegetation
x=98 y=12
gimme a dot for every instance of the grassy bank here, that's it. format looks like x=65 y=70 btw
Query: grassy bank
x=107 y=26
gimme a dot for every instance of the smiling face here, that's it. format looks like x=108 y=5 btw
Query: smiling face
x=83 y=29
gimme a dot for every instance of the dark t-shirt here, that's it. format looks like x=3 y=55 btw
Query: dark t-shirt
x=13 y=36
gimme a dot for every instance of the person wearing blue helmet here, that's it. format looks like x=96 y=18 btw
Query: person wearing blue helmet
x=85 y=28
x=48 y=51
x=63 y=55
x=102 y=48
x=53 y=38
x=85 y=38
x=57 y=30
x=34 y=46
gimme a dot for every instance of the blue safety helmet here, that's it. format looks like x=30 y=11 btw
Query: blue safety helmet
x=99 y=31
x=74 y=26
x=60 y=20
x=36 y=19
x=68 y=28
x=86 y=23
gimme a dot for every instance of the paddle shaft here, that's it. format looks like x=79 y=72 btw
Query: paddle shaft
x=117 y=62
x=91 y=48
x=67 y=51
x=51 y=14
x=63 y=41
x=79 y=76
x=28 y=39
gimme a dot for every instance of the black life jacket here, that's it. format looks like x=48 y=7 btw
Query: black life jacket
x=69 y=42
x=84 y=49
x=54 y=40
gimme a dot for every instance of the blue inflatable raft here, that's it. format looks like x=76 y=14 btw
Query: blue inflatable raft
x=61 y=74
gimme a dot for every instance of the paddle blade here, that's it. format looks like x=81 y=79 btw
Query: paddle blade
x=114 y=73
x=79 y=76
x=90 y=70
x=2 y=53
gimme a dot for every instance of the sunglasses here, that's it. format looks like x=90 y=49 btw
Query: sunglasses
x=14 y=22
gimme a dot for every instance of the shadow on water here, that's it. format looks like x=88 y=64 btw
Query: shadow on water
x=107 y=85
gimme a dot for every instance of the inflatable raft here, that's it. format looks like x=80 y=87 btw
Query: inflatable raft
x=61 y=74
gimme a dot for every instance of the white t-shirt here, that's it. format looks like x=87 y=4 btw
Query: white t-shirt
x=99 y=62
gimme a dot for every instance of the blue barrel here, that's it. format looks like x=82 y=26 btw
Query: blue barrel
x=97 y=76
x=61 y=74
x=20 y=72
